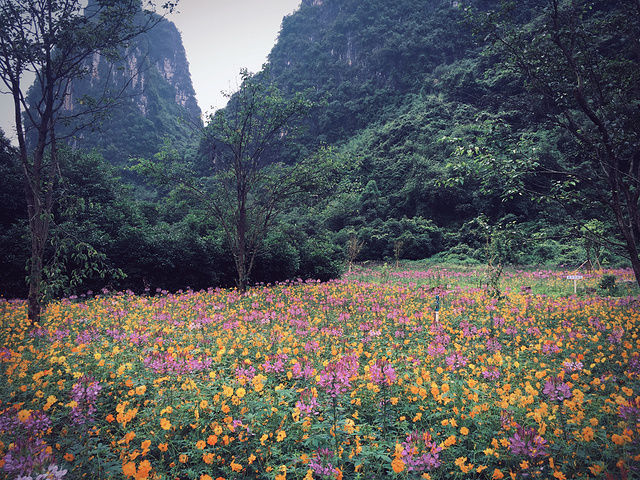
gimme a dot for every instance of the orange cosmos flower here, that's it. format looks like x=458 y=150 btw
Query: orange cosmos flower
x=587 y=434
x=397 y=465
x=497 y=474
x=617 y=439
x=145 y=446
x=129 y=469
x=236 y=467
x=143 y=470
x=165 y=424
x=451 y=440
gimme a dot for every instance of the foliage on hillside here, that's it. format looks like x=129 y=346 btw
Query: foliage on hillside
x=410 y=98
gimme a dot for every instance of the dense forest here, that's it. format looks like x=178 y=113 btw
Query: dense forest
x=433 y=129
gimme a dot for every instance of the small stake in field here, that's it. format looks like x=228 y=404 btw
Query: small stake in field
x=575 y=279
x=435 y=315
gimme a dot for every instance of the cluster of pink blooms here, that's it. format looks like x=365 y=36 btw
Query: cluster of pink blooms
x=527 y=442
x=556 y=389
x=420 y=452
x=322 y=466
x=84 y=393
x=165 y=362
x=28 y=454
x=335 y=379
x=308 y=403
x=382 y=373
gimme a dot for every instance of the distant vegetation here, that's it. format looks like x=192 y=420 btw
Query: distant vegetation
x=445 y=153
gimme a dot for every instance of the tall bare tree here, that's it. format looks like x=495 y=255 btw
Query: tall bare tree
x=54 y=41
x=250 y=186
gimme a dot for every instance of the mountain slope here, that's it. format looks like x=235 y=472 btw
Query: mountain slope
x=153 y=95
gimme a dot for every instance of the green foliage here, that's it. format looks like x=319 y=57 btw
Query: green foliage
x=608 y=284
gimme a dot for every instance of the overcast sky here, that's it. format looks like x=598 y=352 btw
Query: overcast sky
x=220 y=38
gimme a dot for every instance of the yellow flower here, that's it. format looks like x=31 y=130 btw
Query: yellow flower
x=24 y=415
x=461 y=462
x=587 y=434
x=617 y=439
x=464 y=431
x=451 y=440
x=397 y=465
x=497 y=474
x=241 y=392
x=281 y=435
x=129 y=469
x=236 y=467
x=145 y=446
x=165 y=424
x=227 y=391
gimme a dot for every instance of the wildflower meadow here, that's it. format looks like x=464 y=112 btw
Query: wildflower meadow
x=348 y=379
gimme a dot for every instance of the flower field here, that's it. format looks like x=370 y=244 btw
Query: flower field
x=346 y=379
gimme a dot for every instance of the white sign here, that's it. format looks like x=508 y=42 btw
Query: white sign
x=575 y=277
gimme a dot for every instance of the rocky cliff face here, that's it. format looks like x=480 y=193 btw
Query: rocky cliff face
x=152 y=92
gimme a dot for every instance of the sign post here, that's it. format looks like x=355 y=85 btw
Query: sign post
x=575 y=279
x=435 y=317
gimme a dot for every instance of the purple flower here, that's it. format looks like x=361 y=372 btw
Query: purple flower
x=456 y=360
x=322 y=466
x=275 y=363
x=556 y=389
x=491 y=373
x=435 y=349
x=631 y=411
x=308 y=402
x=85 y=393
x=634 y=366
x=27 y=453
x=572 y=366
x=420 y=452
x=335 y=379
x=302 y=369
x=616 y=336
x=382 y=373
x=493 y=345
x=527 y=442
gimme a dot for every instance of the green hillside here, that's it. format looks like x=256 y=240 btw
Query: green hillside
x=453 y=132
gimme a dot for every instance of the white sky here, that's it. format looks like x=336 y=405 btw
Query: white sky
x=220 y=38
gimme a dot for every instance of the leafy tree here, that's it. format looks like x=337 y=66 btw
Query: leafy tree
x=250 y=186
x=580 y=61
x=52 y=40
